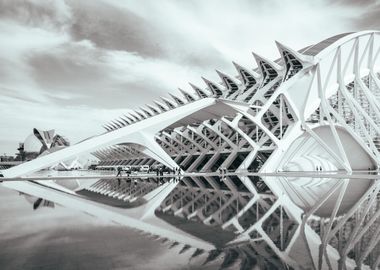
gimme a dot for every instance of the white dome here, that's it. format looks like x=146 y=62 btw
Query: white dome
x=32 y=144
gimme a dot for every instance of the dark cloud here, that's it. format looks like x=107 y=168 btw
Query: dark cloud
x=359 y=3
x=78 y=76
x=50 y=14
x=67 y=68
x=370 y=19
x=96 y=22
x=365 y=15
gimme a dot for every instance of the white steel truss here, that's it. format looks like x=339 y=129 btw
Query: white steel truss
x=312 y=110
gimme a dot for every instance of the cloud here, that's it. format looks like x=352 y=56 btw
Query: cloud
x=65 y=63
x=95 y=21
x=235 y=28
x=53 y=15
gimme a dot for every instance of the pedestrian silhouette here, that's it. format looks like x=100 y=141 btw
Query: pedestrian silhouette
x=119 y=170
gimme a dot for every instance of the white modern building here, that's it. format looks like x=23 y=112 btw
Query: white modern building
x=298 y=136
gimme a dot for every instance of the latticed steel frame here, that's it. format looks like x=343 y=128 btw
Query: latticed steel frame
x=333 y=84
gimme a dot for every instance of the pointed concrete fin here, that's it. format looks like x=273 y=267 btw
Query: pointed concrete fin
x=112 y=127
x=130 y=118
x=187 y=95
x=231 y=84
x=260 y=59
x=269 y=69
x=301 y=57
x=248 y=77
x=197 y=253
x=125 y=119
x=120 y=122
x=154 y=109
x=117 y=125
x=160 y=105
x=106 y=127
x=215 y=89
x=134 y=116
x=294 y=61
x=201 y=93
x=184 y=249
x=168 y=102
x=146 y=111
x=140 y=114
x=239 y=67
x=177 y=99
x=173 y=245
x=223 y=76
x=213 y=255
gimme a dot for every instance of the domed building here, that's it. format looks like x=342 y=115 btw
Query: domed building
x=43 y=142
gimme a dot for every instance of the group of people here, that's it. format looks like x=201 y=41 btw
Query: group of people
x=120 y=170
x=119 y=173
x=159 y=172
x=177 y=170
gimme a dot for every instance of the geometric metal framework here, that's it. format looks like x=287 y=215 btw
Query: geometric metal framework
x=308 y=116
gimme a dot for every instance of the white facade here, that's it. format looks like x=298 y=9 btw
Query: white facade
x=275 y=129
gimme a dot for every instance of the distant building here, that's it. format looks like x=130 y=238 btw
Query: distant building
x=5 y=158
x=20 y=156
x=41 y=142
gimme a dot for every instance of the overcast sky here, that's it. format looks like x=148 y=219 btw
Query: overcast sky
x=74 y=65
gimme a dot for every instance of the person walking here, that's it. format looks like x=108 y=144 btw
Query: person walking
x=119 y=170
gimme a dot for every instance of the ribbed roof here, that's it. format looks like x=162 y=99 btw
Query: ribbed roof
x=316 y=48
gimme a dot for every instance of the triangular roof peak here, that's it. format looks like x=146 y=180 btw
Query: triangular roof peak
x=251 y=72
x=260 y=58
x=201 y=93
x=187 y=95
x=301 y=57
x=215 y=88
